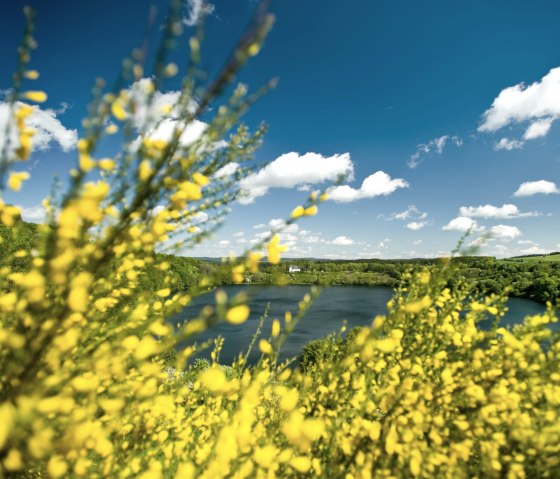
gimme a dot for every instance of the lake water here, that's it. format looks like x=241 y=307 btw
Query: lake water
x=358 y=305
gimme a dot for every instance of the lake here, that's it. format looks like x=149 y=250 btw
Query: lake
x=358 y=305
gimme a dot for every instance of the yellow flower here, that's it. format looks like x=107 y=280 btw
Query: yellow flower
x=311 y=210
x=289 y=400
x=117 y=109
x=106 y=164
x=238 y=314
x=265 y=346
x=253 y=261
x=13 y=461
x=25 y=143
x=274 y=250
x=57 y=466
x=16 y=179
x=419 y=305
x=7 y=419
x=147 y=346
x=79 y=295
x=85 y=162
x=265 y=456
x=213 y=379
x=200 y=179
x=301 y=464
x=144 y=170
x=170 y=70
x=111 y=129
x=254 y=49
x=237 y=273
x=36 y=96
x=31 y=74
x=275 y=328
x=297 y=212
x=185 y=471
x=23 y=112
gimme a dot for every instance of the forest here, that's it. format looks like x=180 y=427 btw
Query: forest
x=536 y=278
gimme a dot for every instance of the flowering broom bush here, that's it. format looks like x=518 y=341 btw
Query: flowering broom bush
x=85 y=388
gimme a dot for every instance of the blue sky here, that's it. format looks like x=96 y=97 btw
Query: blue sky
x=447 y=109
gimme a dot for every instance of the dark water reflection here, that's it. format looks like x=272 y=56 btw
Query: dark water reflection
x=358 y=305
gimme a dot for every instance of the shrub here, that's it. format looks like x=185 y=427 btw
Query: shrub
x=89 y=386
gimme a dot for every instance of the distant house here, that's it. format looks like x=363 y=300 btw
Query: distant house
x=293 y=269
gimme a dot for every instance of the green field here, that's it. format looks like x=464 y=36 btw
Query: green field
x=552 y=257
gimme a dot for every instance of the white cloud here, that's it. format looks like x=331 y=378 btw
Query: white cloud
x=416 y=225
x=479 y=242
x=151 y=116
x=538 y=129
x=489 y=211
x=148 y=110
x=238 y=234
x=197 y=10
x=530 y=188
x=384 y=244
x=380 y=183
x=507 y=144
x=34 y=214
x=200 y=217
x=412 y=212
x=227 y=170
x=538 y=102
x=224 y=243
x=461 y=223
x=342 y=241
x=48 y=129
x=534 y=250
x=276 y=223
x=436 y=145
x=292 y=170
x=166 y=128
x=504 y=232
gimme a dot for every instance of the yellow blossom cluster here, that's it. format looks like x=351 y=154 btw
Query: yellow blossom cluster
x=94 y=382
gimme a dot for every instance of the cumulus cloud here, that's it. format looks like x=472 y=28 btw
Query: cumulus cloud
x=48 y=129
x=196 y=11
x=342 y=241
x=416 y=225
x=461 y=223
x=490 y=211
x=530 y=188
x=378 y=184
x=507 y=144
x=436 y=145
x=504 y=232
x=150 y=116
x=537 y=104
x=538 y=129
x=292 y=170
x=34 y=214
x=534 y=250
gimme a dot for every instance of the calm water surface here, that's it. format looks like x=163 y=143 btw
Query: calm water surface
x=358 y=305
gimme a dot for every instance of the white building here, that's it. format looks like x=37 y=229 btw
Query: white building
x=293 y=269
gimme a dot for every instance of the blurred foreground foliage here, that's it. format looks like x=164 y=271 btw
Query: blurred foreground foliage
x=91 y=384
